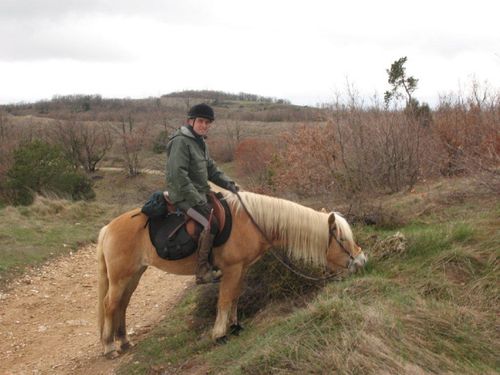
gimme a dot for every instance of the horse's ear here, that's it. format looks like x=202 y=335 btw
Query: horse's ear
x=331 y=220
x=324 y=210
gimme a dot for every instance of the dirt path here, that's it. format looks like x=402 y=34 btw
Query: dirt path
x=48 y=317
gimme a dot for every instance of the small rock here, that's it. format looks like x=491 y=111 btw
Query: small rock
x=42 y=328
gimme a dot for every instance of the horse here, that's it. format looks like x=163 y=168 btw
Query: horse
x=260 y=222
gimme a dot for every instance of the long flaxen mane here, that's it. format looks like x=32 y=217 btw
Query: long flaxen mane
x=304 y=231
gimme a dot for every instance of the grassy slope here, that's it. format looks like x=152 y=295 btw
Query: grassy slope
x=432 y=309
x=52 y=227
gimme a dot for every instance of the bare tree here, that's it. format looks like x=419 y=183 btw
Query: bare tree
x=7 y=145
x=96 y=142
x=232 y=137
x=133 y=139
x=86 y=143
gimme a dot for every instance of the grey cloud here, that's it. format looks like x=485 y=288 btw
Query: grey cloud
x=41 y=29
x=39 y=41
x=447 y=45
x=82 y=50
x=168 y=11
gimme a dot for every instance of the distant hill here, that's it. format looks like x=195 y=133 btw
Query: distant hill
x=173 y=106
x=219 y=96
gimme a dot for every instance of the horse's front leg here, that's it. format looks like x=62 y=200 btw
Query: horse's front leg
x=235 y=327
x=229 y=292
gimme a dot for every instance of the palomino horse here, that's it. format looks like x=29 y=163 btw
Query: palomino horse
x=124 y=252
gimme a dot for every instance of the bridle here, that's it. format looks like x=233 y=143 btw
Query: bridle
x=335 y=276
x=339 y=242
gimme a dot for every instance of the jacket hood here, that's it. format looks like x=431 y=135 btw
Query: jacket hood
x=185 y=131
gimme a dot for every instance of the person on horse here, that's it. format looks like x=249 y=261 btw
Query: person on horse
x=189 y=168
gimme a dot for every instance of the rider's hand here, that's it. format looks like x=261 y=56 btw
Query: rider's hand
x=233 y=188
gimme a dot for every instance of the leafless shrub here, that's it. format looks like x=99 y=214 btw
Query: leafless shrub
x=254 y=163
x=223 y=145
x=359 y=150
x=133 y=139
x=468 y=129
x=86 y=143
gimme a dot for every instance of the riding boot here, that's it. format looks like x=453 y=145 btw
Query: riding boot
x=204 y=271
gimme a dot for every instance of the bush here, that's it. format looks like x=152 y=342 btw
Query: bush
x=160 y=143
x=254 y=161
x=42 y=168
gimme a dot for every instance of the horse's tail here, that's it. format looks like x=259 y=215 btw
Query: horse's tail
x=103 y=281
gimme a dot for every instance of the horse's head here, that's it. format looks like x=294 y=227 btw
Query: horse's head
x=343 y=253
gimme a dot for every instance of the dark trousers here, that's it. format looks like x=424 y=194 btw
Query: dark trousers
x=203 y=218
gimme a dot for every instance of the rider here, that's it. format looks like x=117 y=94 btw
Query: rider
x=189 y=168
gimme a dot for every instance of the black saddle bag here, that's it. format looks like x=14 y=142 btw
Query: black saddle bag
x=170 y=237
x=155 y=206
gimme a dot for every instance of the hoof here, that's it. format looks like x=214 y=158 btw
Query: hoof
x=235 y=329
x=112 y=354
x=221 y=340
x=208 y=280
x=126 y=346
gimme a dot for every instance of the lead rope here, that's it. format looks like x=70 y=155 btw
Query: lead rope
x=271 y=250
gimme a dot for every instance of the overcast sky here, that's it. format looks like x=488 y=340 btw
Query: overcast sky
x=299 y=50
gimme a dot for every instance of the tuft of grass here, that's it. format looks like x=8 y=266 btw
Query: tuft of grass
x=462 y=232
x=425 y=241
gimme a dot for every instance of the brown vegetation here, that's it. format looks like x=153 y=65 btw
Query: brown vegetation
x=469 y=131
x=346 y=149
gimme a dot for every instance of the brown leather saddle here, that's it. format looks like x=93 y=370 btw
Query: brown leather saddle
x=191 y=224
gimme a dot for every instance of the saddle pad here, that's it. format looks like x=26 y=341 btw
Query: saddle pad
x=181 y=244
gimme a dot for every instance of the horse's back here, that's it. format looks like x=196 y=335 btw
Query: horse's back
x=132 y=220
x=125 y=234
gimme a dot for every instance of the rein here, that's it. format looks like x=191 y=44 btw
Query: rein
x=298 y=273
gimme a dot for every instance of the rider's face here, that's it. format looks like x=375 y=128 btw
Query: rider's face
x=200 y=125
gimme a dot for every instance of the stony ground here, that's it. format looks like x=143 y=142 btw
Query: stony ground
x=48 y=317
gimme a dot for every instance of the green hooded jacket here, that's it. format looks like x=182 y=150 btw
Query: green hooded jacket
x=189 y=168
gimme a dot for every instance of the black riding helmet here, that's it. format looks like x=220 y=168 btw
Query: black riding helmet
x=202 y=110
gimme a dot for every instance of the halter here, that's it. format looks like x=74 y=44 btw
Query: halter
x=328 y=277
x=351 y=257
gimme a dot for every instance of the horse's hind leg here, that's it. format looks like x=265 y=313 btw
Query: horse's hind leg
x=121 y=331
x=111 y=307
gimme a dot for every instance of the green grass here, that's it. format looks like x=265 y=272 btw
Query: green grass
x=30 y=235
x=431 y=309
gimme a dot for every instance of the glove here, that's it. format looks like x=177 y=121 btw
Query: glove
x=233 y=188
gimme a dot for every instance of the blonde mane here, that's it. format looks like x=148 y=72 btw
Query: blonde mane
x=303 y=230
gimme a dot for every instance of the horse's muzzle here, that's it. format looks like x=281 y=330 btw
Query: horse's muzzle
x=358 y=262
